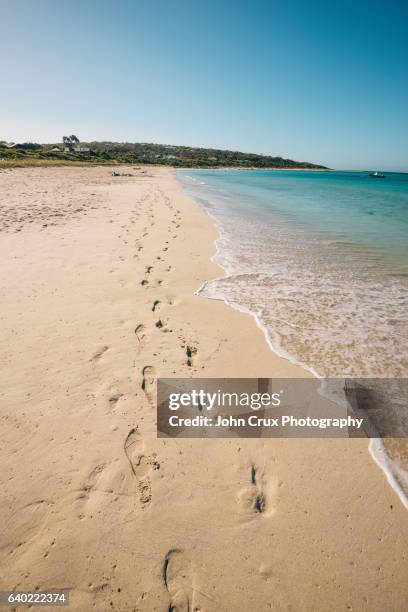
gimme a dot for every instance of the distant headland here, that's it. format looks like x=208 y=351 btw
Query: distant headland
x=71 y=150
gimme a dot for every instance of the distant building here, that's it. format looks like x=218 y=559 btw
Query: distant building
x=169 y=157
x=77 y=149
x=55 y=150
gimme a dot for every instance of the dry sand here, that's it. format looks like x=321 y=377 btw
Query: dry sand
x=91 y=499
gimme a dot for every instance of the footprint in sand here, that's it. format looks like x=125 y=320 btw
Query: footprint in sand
x=149 y=381
x=95 y=486
x=179 y=581
x=141 y=334
x=257 y=497
x=191 y=352
x=91 y=480
x=141 y=464
x=162 y=326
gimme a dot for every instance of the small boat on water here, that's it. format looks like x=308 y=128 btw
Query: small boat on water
x=377 y=174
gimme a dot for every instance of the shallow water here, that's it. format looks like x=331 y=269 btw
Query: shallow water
x=321 y=258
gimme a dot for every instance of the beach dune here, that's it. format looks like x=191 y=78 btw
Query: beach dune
x=98 y=280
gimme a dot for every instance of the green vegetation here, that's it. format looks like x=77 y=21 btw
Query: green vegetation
x=70 y=142
x=72 y=151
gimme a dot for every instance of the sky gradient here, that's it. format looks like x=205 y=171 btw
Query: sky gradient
x=316 y=81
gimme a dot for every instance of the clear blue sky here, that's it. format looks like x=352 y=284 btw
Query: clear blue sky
x=318 y=81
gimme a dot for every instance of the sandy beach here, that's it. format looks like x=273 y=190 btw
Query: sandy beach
x=98 y=282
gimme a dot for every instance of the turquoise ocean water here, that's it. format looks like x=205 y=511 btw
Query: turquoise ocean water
x=321 y=258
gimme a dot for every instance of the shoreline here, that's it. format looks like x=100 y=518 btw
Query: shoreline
x=100 y=277
x=375 y=447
